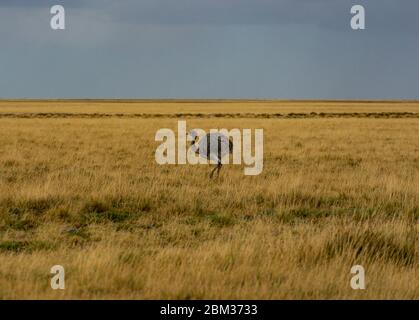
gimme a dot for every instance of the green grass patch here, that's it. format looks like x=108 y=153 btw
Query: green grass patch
x=21 y=224
x=219 y=220
x=305 y=214
x=113 y=216
x=25 y=246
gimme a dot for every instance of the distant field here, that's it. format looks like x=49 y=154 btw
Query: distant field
x=87 y=193
x=204 y=107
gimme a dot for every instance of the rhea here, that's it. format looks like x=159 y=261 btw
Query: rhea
x=213 y=146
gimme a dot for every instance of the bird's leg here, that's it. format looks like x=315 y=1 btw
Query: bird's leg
x=212 y=171
x=219 y=168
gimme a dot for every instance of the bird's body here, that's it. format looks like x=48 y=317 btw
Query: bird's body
x=213 y=147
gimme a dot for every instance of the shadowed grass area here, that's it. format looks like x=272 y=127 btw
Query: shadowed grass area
x=370 y=246
x=25 y=246
x=374 y=115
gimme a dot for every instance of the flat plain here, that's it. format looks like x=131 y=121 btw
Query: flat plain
x=79 y=187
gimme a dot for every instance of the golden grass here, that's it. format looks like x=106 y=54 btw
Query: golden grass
x=203 y=106
x=87 y=194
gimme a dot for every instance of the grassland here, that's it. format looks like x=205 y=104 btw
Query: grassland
x=202 y=107
x=86 y=193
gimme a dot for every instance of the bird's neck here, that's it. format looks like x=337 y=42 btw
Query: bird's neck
x=195 y=147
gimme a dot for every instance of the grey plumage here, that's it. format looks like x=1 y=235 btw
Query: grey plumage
x=212 y=146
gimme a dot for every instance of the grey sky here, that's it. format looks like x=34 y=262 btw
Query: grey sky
x=298 y=49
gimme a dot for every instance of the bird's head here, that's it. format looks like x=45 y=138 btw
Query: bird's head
x=193 y=136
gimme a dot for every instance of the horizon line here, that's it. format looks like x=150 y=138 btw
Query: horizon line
x=203 y=100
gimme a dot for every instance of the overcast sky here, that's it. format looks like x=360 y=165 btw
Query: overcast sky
x=286 y=49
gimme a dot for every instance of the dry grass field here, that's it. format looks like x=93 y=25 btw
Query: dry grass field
x=86 y=193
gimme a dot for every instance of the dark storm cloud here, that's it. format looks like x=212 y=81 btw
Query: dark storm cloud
x=210 y=48
x=385 y=13
x=38 y=3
